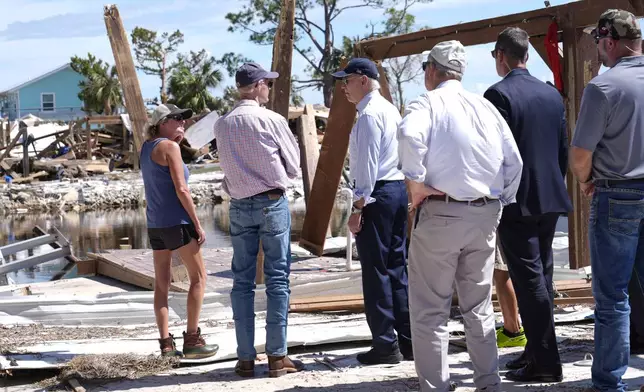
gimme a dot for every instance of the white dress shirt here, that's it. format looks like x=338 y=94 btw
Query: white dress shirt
x=458 y=143
x=373 y=146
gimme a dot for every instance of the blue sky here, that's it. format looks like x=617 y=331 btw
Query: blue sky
x=37 y=36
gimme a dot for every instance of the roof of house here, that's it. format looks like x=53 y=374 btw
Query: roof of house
x=34 y=80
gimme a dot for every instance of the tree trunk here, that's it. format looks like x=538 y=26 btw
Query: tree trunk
x=164 y=96
x=327 y=90
x=401 y=103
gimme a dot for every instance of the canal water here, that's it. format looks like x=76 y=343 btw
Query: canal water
x=98 y=231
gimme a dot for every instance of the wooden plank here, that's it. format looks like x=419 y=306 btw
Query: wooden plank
x=385 y=91
x=309 y=151
x=87 y=267
x=127 y=74
x=60 y=138
x=347 y=306
x=105 y=120
x=280 y=94
x=580 y=66
x=329 y=171
x=484 y=31
x=328 y=298
x=4 y=131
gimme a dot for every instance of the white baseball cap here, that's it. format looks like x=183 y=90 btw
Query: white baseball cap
x=449 y=54
x=168 y=109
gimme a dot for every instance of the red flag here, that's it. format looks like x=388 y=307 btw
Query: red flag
x=552 y=49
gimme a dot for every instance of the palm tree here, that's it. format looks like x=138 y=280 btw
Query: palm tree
x=101 y=90
x=191 y=80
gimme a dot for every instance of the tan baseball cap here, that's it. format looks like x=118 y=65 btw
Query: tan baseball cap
x=161 y=112
x=449 y=54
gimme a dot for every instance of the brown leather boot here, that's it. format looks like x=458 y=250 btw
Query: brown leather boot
x=245 y=368
x=280 y=366
x=169 y=348
x=195 y=347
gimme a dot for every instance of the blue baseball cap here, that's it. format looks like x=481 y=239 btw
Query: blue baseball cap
x=359 y=66
x=250 y=73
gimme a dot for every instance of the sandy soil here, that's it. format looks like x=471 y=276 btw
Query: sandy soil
x=351 y=376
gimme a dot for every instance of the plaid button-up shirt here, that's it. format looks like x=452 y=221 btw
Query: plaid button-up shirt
x=257 y=150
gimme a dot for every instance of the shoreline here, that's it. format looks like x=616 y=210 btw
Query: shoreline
x=107 y=192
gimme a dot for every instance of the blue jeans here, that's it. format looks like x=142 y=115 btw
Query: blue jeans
x=251 y=219
x=616 y=238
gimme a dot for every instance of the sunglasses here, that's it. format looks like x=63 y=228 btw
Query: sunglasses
x=425 y=64
x=176 y=117
x=346 y=80
x=602 y=32
x=268 y=83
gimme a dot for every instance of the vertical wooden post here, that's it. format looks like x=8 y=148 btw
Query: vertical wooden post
x=280 y=95
x=580 y=66
x=3 y=134
x=25 y=152
x=127 y=74
x=309 y=148
x=89 y=139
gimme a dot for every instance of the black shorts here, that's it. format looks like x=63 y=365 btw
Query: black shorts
x=171 y=238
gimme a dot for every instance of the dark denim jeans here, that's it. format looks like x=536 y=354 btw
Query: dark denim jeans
x=616 y=239
x=251 y=219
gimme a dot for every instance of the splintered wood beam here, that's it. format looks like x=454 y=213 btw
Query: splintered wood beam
x=535 y=22
x=329 y=171
x=385 y=91
x=307 y=136
x=580 y=66
x=127 y=74
x=280 y=94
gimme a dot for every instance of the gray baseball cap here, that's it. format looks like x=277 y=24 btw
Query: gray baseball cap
x=161 y=112
x=449 y=54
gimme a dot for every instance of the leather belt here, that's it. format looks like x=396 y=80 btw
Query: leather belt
x=272 y=193
x=449 y=199
x=618 y=183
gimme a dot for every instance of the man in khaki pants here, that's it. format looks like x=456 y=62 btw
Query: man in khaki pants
x=462 y=165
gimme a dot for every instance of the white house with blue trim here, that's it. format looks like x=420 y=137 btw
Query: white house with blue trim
x=51 y=96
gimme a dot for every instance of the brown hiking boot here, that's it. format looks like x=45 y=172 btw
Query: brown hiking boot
x=245 y=368
x=169 y=348
x=279 y=366
x=194 y=347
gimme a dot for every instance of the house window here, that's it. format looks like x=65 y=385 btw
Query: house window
x=47 y=102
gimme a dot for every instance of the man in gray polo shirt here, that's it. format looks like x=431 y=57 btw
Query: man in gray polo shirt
x=607 y=158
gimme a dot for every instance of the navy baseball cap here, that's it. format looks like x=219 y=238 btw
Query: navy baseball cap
x=359 y=66
x=250 y=73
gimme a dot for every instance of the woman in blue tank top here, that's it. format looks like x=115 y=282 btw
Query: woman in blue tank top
x=173 y=225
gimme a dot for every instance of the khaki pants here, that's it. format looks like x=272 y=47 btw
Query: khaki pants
x=453 y=243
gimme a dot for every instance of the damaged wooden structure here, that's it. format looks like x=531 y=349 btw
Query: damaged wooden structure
x=575 y=66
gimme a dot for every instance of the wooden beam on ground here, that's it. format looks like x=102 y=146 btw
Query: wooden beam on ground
x=580 y=66
x=283 y=59
x=127 y=74
x=535 y=22
x=328 y=172
x=4 y=130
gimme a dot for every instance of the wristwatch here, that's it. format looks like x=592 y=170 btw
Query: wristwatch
x=355 y=210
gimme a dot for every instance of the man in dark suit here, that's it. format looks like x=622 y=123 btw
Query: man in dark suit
x=535 y=113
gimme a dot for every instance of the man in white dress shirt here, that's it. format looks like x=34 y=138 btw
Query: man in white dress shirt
x=462 y=166
x=379 y=216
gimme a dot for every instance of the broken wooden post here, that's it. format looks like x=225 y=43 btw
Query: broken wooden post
x=25 y=152
x=309 y=148
x=4 y=130
x=283 y=59
x=127 y=75
x=334 y=150
x=280 y=95
x=580 y=66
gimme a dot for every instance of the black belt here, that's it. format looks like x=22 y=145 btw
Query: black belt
x=449 y=199
x=271 y=192
x=618 y=183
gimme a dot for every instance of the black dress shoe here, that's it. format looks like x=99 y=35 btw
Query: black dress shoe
x=530 y=374
x=407 y=352
x=374 y=357
x=518 y=363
